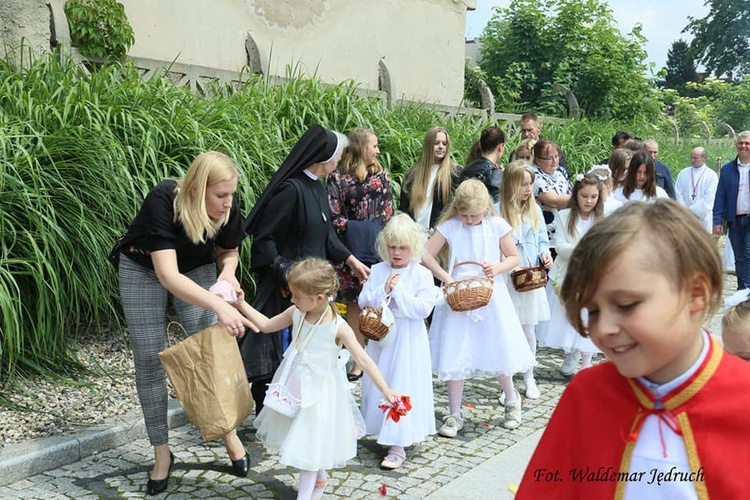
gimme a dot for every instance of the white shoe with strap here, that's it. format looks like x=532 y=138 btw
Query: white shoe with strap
x=453 y=423
x=513 y=414
x=532 y=391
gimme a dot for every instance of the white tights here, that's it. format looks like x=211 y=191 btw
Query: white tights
x=307 y=479
x=456 y=392
x=529 y=331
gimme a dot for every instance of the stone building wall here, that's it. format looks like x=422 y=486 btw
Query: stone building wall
x=24 y=23
x=414 y=49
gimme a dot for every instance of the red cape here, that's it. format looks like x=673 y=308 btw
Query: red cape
x=590 y=436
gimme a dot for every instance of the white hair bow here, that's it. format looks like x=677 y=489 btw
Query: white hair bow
x=736 y=298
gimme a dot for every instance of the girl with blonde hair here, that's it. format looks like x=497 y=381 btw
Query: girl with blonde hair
x=524 y=151
x=403 y=356
x=324 y=432
x=185 y=229
x=530 y=237
x=487 y=341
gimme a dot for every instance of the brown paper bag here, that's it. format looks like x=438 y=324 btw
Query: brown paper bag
x=208 y=375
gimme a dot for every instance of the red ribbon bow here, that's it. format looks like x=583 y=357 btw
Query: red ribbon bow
x=664 y=416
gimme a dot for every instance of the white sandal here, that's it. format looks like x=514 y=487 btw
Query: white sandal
x=393 y=460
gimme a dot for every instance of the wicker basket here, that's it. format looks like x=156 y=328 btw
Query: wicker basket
x=370 y=324
x=526 y=279
x=471 y=293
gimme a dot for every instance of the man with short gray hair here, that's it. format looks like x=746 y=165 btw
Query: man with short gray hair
x=696 y=187
x=732 y=204
x=663 y=174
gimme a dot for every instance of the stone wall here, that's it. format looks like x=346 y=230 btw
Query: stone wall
x=24 y=23
x=413 y=49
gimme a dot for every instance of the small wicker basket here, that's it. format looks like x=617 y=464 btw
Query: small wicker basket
x=370 y=323
x=471 y=293
x=525 y=279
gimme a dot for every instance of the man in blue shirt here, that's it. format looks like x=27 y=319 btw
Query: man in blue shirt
x=663 y=174
x=732 y=204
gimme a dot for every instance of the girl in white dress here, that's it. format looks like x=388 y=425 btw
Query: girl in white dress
x=403 y=355
x=324 y=433
x=530 y=237
x=586 y=207
x=640 y=181
x=487 y=341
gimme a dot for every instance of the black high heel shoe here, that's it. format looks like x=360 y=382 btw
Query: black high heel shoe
x=353 y=377
x=156 y=486
x=241 y=467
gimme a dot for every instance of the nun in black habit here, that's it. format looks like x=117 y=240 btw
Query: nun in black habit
x=291 y=220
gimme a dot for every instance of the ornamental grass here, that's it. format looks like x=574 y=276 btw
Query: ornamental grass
x=79 y=151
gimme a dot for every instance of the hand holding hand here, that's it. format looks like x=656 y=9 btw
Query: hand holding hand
x=361 y=270
x=240 y=297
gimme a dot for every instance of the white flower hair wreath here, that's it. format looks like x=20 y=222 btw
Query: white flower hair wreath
x=601 y=168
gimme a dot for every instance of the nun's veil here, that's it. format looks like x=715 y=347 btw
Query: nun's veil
x=317 y=145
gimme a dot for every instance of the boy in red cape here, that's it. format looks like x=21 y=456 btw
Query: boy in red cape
x=667 y=417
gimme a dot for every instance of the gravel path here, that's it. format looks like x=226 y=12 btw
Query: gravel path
x=57 y=407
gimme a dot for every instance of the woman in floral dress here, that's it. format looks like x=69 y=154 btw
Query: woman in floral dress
x=361 y=203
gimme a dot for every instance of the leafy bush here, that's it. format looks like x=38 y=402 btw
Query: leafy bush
x=700 y=107
x=99 y=28
x=734 y=106
x=532 y=45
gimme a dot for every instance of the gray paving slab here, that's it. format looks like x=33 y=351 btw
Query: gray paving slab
x=114 y=462
x=496 y=478
x=41 y=455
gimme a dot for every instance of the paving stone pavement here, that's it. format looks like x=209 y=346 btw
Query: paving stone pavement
x=202 y=469
x=116 y=464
